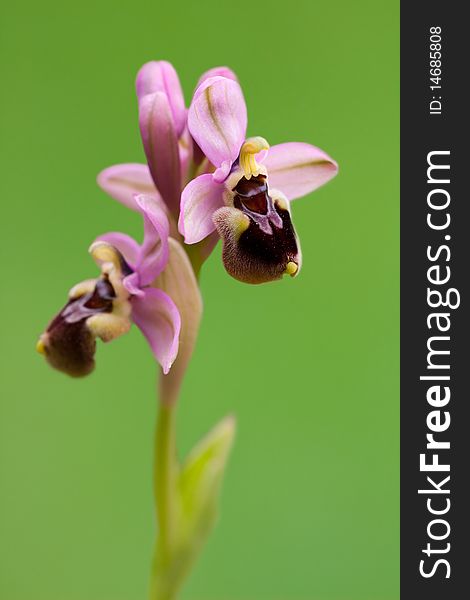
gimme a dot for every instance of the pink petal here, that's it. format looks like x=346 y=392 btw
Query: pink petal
x=132 y=284
x=127 y=246
x=217 y=72
x=156 y=315
x=217 y=119
x=122 y=182
x=161 y=146
x=160 y=76
x=296 y=169
x=154 y=251
x=199 y=200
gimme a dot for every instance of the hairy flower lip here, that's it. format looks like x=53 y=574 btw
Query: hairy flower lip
x=254 y=253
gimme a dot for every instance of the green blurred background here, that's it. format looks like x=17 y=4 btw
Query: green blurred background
x=309 y=366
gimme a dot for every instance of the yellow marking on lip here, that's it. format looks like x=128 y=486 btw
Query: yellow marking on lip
x=291 y=268
x=241 y=224
x=40 y=346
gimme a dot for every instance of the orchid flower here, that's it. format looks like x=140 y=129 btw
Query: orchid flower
x=247 y=197
x=169 y=149
x=106 y=306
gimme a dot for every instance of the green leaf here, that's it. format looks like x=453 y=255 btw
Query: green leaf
x=201 y=477
x=198 y=484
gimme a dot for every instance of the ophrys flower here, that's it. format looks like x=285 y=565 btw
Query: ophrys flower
x=105 y=307
x=247 y=197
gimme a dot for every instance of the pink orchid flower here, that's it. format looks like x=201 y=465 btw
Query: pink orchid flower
x=247 y=198
x=105 y=307
x=168 y=146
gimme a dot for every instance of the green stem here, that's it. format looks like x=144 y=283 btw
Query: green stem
x=166 y=474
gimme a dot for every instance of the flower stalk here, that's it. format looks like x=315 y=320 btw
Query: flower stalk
x=187 y=499
x=166 y=476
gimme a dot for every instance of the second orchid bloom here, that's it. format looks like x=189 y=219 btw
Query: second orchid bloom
x=124 y=293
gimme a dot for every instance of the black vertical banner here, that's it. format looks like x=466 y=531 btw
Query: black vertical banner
x=435 y=273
